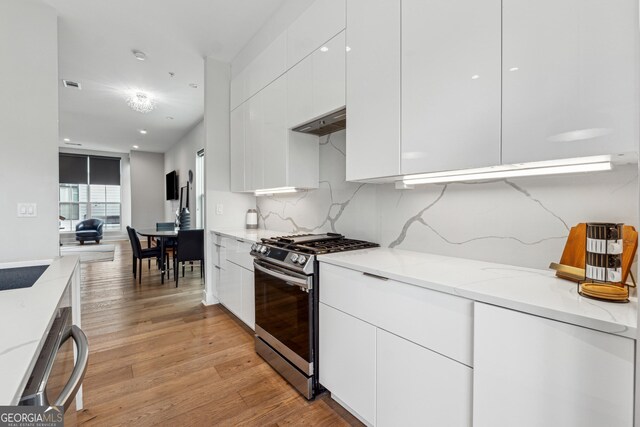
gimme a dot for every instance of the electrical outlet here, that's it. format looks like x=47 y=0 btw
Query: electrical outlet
x=219 y=209
x=27 y=210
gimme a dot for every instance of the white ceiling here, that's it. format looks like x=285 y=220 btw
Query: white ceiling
x=96 y=38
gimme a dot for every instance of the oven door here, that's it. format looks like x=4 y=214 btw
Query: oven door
x=283 y=313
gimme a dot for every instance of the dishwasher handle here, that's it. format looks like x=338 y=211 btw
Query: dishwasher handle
x=70 y=389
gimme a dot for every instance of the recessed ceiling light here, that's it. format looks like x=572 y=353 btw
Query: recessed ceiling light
x=172 y=74
x=193 y=85
x=514 y=69
x=66 y=140
x=136 y=147
x=348 y=49
x=143 y=131
x=324 y=49
x=169 y=118
x=475 y=77
x=140 y=55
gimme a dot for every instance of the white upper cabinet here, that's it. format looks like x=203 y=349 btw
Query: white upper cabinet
x=268 y=66
x=329 y=76
x=254 y=172
x=238 y=92
x=570 y=78
x=320 y=22
x=265 y=68
x=274 y=134
x=373 y=88
x=237 y=149
x=264 y=152
x=316 y=85
x=300 y=93
x=450 y=84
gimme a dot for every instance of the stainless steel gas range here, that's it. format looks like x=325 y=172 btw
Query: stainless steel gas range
x=287 y=294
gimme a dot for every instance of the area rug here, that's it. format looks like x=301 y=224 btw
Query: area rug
x=90 y=253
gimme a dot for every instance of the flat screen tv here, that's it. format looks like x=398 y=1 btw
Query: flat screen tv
x=172 y=186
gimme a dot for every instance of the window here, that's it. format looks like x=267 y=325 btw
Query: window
x=89 y=188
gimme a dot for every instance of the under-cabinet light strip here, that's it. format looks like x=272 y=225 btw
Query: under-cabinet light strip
x=279 y=190
x=509 y=173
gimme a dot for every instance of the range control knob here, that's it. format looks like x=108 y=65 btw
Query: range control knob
x=294 y=257
x=254 y=247
x=263 y=249
x=302 y=259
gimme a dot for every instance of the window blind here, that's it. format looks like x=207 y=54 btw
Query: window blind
x=73 y=169
x=104 y=170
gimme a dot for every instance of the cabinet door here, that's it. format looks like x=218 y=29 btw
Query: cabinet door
x=300 y=93
x=329 y=76
x=531 y=371
x=321 y=21
x=254 y=178
x=373 y=88
x=418 y=387
x=274 y=137
x=230 y=293
x=570 y=78
x=248 y=299
x=237 y=148
x=348 y=361
x=238 y=94
x=450 y=84
x=270 y=63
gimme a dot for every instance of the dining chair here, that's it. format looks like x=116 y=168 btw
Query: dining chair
x=169 y=243
x=190 y=247
x=139 y=253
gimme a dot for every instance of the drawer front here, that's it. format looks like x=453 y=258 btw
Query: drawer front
x=435 y=320
x=241 y=255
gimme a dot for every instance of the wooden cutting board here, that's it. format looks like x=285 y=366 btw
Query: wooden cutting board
x=575 y=249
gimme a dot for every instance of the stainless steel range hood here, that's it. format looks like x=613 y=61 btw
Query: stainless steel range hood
x=325 y=125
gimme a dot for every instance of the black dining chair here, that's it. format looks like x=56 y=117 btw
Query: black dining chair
x=139 y=253
x=190 y=247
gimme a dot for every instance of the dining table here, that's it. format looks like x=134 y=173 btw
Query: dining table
x=162 y=236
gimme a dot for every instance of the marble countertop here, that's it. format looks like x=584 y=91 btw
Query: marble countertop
x=250 y=235
x=537 y=292
x=25 y=318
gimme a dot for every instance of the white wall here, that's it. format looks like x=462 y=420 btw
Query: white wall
x=147 y=189
x=28 y=129
x=182 y=158
x=125 y=193
x=288 y=12
x=217 y=173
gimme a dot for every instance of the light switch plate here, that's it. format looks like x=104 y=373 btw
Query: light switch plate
x=219 y=209
x=27 y=210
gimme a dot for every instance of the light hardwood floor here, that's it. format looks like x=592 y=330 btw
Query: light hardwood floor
x=158 y=356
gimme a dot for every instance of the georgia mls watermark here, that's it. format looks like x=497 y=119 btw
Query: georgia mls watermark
x=31 y=416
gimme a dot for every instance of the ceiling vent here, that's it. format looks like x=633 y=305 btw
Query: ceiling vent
x=73 y=143
x=69 y=83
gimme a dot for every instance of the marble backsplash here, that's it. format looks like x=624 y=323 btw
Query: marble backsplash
x=519 y=221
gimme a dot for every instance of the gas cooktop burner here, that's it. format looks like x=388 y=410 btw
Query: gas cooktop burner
x=317 y=243
x=298 y=252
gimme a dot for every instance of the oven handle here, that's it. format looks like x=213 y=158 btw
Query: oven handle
x=70 y=389
x=287 y=278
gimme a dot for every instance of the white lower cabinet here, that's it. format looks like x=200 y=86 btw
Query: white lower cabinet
x=531 y=371
x=229 y=289
x=418 y=387
x=248 y=314
x=234 y=280
x=348 y=361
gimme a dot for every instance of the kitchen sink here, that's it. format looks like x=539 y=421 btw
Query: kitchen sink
x=20 y=277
